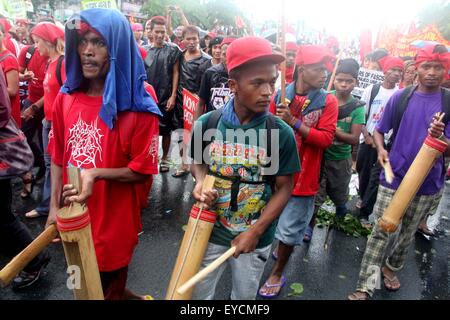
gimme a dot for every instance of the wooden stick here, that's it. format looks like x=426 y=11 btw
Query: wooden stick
x=333 y=75
x=202 y=274
x=283 y=51
x=388 y=172
x=19 y=262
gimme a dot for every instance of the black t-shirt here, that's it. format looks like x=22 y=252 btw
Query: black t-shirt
x=214 y=87
x=190 y=76
x=159 y=67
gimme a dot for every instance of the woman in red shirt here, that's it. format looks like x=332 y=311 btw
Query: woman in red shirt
x=49 y=40
x=10 y=67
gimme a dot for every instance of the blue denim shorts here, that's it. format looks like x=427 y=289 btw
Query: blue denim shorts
x=294 y=220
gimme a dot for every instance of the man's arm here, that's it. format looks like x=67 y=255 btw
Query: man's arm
x=199 y=109
x=56 y=178
x=207 y=197
x=247 y=241
x=352 y=137
x=184 y=20
x=31 y=111
x=90 y=176
x=169 y=21
x=175 y=80
x=378 y=139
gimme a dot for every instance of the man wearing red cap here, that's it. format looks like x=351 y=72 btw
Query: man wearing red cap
x=376 y=98
x=254 y=176
x=411 y=115
x=312 y=113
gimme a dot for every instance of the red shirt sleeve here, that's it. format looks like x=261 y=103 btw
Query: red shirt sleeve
x=10 y=63
x=22 y=55
x=145 y=144
x=322 y=135
x=57 y=149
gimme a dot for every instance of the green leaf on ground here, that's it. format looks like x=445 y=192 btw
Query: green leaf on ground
x=297 y=289
x=341 y=276
x=184 y=227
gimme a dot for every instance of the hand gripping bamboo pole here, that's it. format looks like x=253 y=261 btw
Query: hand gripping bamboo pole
x=193 y=246
x=431 y=150
x=19 y=262
x=210 y=268
x=75 y=229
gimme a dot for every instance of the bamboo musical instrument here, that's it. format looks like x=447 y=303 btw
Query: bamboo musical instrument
x=193 y=246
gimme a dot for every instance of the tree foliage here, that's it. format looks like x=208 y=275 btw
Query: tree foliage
x=204 y=13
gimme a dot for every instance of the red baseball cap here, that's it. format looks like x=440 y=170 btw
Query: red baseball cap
x=248 y=49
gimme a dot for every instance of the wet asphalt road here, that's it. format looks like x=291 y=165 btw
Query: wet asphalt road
x=324 y=274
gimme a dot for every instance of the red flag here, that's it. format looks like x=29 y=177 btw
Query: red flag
x=240 y=24
x=365 y=43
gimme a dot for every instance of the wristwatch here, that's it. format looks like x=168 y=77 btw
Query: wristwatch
x=34 y=107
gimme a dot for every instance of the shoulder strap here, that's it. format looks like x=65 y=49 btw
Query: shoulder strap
x=58 y=70
x=30 y=51
x=271 y=124
x=446 y=104
x=400 y=109
x=373 y=94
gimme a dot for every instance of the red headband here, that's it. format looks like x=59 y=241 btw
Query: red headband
x=85 y=28
x=390 y=62
x=48 y=32
x=426 y=54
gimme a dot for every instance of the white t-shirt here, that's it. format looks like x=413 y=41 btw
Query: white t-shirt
x=377 y=108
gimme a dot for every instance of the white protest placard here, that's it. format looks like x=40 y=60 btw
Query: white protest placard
x=366 y=78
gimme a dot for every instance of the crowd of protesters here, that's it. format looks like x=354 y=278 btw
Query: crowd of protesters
x=84 y=97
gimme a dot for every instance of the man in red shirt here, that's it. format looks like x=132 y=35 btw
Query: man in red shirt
x=105 y=123
x=32 y=67
x=312 y=113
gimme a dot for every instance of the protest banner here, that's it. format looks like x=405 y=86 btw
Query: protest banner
x=104 y=4
x=190 y=102
x=366 y=78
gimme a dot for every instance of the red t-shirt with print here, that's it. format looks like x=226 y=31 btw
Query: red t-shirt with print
x=322 y=124
x=52 y=86
x=9 y=63
x=81 y=139
x=38 y=65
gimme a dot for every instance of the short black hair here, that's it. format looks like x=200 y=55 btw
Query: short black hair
x=439 y=48
x=215 y=41
x=348 y=66
x=378 y=54
x=191 y=29
x=158 y=20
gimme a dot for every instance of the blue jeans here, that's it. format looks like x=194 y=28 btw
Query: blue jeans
x=294 y=220
x=44 y=205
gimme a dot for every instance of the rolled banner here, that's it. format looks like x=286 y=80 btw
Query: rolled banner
x=432 y=149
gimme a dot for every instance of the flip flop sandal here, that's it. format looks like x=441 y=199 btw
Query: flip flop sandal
x=274 y=285
x=27 y=182
x=180 y=174
x=308 y=235
x=389 y=281
x=34 y=214
x=355 y=297
x=164 y=166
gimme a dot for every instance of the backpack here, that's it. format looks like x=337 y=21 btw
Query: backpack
x=400 y=109
x=373 y=94
x=58 y=69
x=271 y=124
x=30 y=52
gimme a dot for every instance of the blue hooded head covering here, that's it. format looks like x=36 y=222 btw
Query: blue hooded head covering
x=124 y=85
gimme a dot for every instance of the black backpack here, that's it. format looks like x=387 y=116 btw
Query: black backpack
x=58 y=69
x=30 y=52
x=271 y=124
x=400 y=109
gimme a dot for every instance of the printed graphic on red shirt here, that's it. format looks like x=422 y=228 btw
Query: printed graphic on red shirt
x=85 y=144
